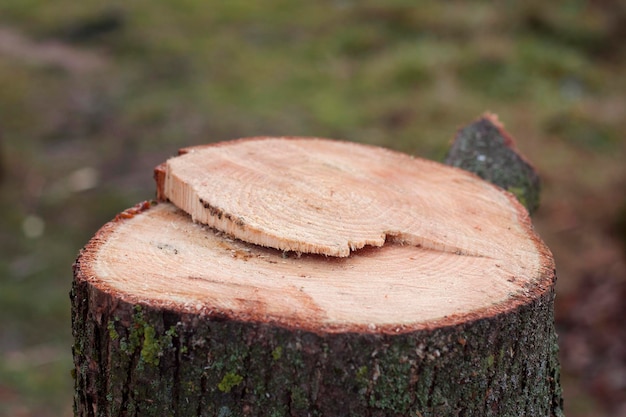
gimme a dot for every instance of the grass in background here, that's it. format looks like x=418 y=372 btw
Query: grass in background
x=82 y=129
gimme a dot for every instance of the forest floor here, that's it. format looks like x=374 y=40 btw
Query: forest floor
x=94 y=95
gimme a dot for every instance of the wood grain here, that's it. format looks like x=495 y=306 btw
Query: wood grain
x=160 y=258
x=329 y=197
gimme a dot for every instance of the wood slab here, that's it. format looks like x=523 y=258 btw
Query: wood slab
x=312 y=195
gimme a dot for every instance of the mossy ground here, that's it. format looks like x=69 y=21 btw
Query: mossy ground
x=80 y=134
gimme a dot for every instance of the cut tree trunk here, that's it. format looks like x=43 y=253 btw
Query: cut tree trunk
x=309 y=277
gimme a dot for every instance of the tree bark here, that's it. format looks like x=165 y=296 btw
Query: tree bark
x=172 y=317
x=486 y=149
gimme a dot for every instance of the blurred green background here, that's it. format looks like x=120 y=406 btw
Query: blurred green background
x=94 y=94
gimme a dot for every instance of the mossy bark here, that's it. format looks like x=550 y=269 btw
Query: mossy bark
x=135 y=360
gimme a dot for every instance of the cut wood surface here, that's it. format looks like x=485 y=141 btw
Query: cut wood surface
x=162 y=258
x=462 y=247
x=331 y=197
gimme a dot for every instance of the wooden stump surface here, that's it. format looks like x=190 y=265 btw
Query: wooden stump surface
x=456 y=246
x=310 y=277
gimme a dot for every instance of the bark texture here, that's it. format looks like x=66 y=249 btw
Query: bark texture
x=133 y=360
x=486 y=149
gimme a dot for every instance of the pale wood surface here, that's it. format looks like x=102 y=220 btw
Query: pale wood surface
x=331 y=197
x=462 y=249
x=161 y=258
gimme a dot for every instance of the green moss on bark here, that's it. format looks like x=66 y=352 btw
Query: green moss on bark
x=138 y=361
x=229 y=381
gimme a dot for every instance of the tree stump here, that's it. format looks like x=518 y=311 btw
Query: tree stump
x=310 y=277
